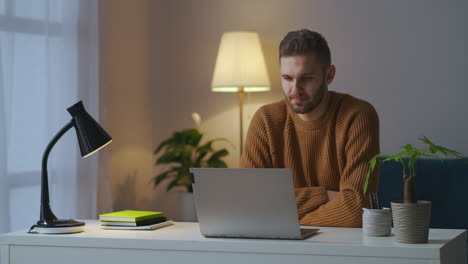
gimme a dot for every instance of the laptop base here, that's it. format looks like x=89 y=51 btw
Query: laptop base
x=305 y=233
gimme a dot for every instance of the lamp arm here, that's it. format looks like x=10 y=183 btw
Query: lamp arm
x=47 y=215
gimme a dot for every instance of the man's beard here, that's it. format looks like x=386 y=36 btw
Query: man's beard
x=306 y=106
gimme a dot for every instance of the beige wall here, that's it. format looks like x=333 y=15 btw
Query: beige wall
x=128 y=68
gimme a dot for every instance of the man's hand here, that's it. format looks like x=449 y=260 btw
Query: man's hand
x=332 y=195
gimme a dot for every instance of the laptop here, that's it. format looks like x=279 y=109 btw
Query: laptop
x=247 y=203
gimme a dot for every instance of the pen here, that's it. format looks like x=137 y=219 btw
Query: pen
x=374 y=200
x=371 y=200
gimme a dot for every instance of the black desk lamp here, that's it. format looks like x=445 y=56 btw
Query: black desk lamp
x=91 y=138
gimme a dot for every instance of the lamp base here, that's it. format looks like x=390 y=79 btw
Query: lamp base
x=59 y=226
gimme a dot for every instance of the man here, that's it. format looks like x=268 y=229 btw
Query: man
x=326 y=138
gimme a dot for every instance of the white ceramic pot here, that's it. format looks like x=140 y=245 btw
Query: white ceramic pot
x=187 y=207
x=376 y=222
x=178 y=205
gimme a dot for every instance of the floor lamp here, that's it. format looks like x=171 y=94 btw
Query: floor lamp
x=240 y=68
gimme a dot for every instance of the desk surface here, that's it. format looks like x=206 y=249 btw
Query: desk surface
x=186 y=236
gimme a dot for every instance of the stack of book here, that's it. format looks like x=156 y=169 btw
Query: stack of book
x=130 y=219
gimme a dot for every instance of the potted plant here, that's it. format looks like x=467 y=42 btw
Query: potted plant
x=410 y=216
x=181 y=151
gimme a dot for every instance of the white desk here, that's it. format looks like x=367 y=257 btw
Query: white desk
x=182 y=243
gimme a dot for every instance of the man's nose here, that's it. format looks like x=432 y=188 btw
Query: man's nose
x=295 y=86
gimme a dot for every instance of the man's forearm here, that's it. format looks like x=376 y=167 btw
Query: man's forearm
x=331 y=195
x=344 y=210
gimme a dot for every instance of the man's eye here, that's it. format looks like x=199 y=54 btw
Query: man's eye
x=287 y=78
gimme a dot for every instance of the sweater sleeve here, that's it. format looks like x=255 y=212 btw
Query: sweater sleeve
x=361 y=145
x=256 y=152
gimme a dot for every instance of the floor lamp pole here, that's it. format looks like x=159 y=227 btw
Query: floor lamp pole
x=241 y=102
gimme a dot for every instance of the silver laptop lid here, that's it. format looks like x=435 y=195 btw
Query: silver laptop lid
x=254 y=203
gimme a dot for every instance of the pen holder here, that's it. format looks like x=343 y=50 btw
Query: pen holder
x=376 y=222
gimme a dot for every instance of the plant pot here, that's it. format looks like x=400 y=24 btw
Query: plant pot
x=178 y=205
x=411 y=221
x=187 y=206
x=376 y=222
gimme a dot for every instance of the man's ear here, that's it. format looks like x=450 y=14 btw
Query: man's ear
x=331 y=70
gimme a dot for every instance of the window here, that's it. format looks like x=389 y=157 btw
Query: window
x=39 y=74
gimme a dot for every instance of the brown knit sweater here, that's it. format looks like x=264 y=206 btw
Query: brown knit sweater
x=331 y=153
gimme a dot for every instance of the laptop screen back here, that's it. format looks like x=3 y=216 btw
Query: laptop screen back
x=254 y=203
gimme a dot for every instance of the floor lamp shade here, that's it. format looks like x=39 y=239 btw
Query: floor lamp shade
x=91 y=136
x=240 y=67
x=240 y=64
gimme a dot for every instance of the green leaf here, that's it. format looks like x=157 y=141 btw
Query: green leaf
x=198 y=163
x=201 y=152
x=205 y=148
x=168 y=157
x=451 y=153
x=408 y=147
x=191 y=137
x=173 y=184
x=373 y=161
x=163 y=144
x=216 y=164
x=366 y=182
x=372 y=165
x=219 y=154
x=426 y=140
x=161 y=177
x=433 y=148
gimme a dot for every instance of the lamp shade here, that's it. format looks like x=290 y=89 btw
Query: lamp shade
x=91 y=136
x=240 y=64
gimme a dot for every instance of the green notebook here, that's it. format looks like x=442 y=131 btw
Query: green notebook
x=130 y=216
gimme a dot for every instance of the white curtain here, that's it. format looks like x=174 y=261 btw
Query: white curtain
x=48 y=61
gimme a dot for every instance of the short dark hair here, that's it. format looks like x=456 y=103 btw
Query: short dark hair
x=303 y=42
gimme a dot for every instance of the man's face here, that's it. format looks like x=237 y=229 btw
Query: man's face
x=304 y=82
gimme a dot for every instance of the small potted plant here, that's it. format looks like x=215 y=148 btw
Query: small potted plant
x=410 y=216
